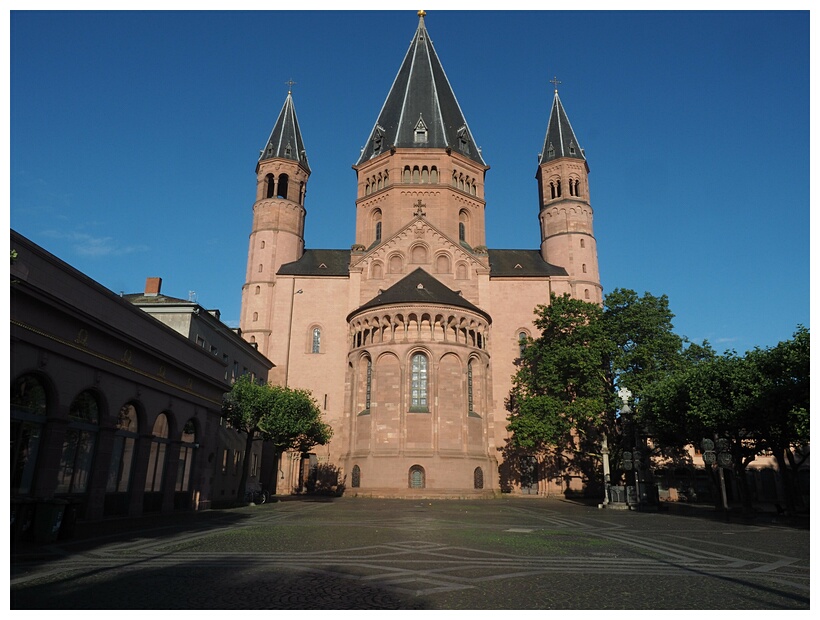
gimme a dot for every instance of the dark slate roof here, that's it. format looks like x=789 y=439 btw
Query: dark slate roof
x=420 y=287
x=421 y=97
x=560 y=140
x=521 y=264
x=319 y=263
x=285 y=140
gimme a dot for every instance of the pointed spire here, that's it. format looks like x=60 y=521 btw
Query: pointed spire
x=421 y=110
x=285 y=140
x=560 y=140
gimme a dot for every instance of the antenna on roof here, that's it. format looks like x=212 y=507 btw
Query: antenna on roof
x=192 y=296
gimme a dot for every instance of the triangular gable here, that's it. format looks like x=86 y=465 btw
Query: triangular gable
x=419 y=228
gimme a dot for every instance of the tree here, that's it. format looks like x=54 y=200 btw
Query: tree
x=288 y=418
x=564 y=393
x=781 y=408
x=758 y=402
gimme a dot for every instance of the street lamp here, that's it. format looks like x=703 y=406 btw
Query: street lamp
x=624 y=394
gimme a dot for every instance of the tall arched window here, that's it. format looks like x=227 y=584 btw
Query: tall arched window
x=122 y=455
x=186 y=457
x=368 y=384
x=462 y=232
x=522 y=343
x=418 y=383
x=28 y=414
x=78 y=444
x=316 y=342
x=282 y=188
x=156 y=463
x=270 y=186
x=470 y=387
x=378 y=231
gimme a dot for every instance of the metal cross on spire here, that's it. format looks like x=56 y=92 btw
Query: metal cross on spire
x=419 y=206
x=555 y=82
x=290 y=84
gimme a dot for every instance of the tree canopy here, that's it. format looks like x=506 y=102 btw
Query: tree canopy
x=288 y=418
x=564 y=392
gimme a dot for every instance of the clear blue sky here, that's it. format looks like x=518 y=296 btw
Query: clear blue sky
x=134 y=138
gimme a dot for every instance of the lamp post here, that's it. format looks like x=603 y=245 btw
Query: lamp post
x=624 y=394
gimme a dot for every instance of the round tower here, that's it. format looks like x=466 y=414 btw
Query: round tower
x=567 y=238
x=277 y=233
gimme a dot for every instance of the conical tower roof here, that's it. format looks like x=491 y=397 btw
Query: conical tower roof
x=421 y=110
x=285 y=140
x=560 y=140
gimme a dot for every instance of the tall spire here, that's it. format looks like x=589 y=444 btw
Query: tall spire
x=285 y=140
x=560 y=140
x=421 y=110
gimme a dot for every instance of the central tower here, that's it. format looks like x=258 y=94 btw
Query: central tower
x=420 y=149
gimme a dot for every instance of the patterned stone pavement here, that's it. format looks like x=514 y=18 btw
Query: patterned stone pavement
x=354 y=553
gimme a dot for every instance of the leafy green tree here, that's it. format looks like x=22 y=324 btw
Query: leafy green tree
x=288 y=418
x=758 y=402
x=564 y=392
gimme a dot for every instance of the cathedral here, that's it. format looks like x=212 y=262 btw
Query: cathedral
x=408 y=339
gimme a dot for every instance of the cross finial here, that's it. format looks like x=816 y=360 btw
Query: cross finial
x=419 y=206
x=555 y=82
x=290 y=84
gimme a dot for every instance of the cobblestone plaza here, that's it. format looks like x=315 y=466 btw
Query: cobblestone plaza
x=357 y=553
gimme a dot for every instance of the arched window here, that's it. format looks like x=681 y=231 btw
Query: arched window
x=584 y=268
x=316 y=342
x=406 y=178
x=123 y=453
x=378 y=231
x=577 y=187
x=582 y=243
x=552 y=189
x=558 y=188
x=78 y=444
x=586 y=293
x=418 y=383
x=416 y=477
x=156 y=458
x=434 y=175
x=470 y=387
x=462 y=232
x=270 y=186
x=186 y=456
x=368 y=384
x=28 y=414
x=282 y=188
x=260 y=267
x=522 y=343
x=356 y=477
x=478 y=478
x=255 y=316
x=257 y=290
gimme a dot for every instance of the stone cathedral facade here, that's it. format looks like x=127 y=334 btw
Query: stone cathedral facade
x=408 y=339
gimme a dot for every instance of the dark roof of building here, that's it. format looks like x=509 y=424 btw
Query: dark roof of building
x=560 y=140
x=521 y=264
x=419 y=287
x=421 y=100
x=319 y=263
x=285 y=140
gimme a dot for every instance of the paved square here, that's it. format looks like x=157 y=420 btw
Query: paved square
x=356 y=553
